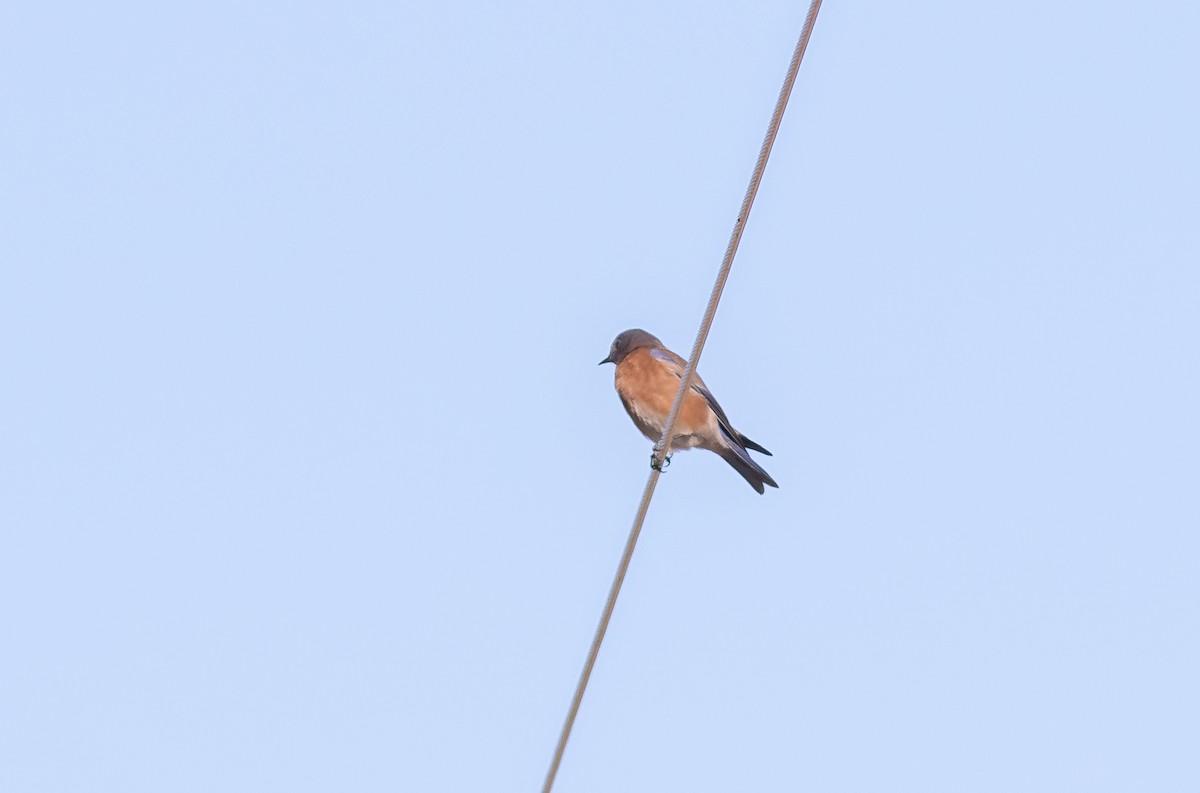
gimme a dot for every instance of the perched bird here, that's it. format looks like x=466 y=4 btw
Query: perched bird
x=647 y=379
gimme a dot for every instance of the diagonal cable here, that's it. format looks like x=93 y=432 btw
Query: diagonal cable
x=663 y=448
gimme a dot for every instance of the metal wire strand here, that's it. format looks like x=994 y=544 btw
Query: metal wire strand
x=663 y=448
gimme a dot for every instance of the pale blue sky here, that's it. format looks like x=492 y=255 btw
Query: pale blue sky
x=312 y=483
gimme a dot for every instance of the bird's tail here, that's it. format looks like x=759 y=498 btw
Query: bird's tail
x=749 y=444
x=751 y=471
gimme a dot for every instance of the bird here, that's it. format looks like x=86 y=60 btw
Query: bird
x=647 y=379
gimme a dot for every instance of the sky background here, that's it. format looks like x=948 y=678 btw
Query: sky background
x=311 y=481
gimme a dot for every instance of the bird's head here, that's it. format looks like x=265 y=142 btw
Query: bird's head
x=628 y=341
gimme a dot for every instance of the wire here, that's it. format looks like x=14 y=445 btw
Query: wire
x=663 y=448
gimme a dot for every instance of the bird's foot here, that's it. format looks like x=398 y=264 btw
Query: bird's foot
x=658 y=462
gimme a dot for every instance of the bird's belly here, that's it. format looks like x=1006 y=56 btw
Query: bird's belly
x=688 y=441
x=652 y=427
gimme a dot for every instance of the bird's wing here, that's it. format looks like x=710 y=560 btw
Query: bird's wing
x=677 y=365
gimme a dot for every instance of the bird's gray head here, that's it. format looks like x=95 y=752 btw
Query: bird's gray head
x=627 y=342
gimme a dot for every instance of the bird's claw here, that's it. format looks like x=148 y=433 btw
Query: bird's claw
x=658 y=462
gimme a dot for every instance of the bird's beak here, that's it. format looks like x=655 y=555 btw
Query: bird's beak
x=606 y=360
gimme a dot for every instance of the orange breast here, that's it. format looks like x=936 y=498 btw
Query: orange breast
x=649 y=386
